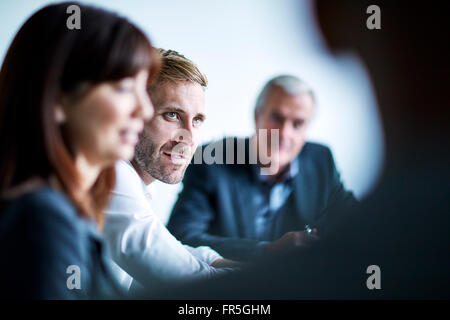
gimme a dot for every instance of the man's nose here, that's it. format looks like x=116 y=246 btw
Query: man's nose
x=284 y=130
x=185 y=134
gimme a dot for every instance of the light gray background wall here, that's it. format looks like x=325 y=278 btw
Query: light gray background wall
x=239 y=44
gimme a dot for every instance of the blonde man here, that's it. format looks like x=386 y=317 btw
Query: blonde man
x=140 y=245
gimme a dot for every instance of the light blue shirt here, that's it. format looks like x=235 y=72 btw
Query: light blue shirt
x=270 y=197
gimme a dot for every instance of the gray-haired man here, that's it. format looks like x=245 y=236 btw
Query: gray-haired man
x=278 y=202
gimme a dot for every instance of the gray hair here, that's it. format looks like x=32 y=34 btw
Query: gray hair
x=292 y=85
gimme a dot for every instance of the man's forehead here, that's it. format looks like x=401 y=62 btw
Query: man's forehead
x=183 y=97
x=286 y=103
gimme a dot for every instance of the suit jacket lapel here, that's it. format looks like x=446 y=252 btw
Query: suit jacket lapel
x=303 y=195
x=245 y=194
x=245 y=190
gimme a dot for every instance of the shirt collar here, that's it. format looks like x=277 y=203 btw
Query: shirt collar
x=149 y=190
x=289 y=173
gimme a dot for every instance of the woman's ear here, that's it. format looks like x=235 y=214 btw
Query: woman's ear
x=59 y=114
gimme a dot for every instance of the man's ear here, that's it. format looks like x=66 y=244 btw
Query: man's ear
x=59 y=114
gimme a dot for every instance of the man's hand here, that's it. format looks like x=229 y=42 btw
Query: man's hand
x=291 y=241
x=225 y=263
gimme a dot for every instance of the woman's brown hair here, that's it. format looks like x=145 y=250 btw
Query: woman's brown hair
x=45 y=60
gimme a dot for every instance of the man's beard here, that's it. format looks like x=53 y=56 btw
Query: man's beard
x=149 y=160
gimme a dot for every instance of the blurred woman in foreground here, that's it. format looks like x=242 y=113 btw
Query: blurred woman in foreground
x=72 y=102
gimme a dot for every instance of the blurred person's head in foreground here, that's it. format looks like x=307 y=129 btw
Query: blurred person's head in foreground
x=407 y=59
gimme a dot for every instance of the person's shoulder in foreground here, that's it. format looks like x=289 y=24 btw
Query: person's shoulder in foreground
x=53 y=249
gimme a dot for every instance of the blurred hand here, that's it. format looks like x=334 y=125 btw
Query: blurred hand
x=291 y=241
x=226 y=263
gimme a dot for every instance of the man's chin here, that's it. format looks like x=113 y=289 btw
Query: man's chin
x=173 y=181
x=173 y=177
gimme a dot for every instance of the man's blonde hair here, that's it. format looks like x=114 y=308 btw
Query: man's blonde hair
x=177 y=68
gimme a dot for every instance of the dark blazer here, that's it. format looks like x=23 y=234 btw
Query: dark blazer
x=213 y=207
x=41 y=235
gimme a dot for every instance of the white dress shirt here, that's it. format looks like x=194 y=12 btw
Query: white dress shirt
x=140 y=245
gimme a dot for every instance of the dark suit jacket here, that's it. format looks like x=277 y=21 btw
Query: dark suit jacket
x=41 y=235
x=214 y=208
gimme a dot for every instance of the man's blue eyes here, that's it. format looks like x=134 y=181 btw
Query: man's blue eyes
x=171 y=115
x=174 y=116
